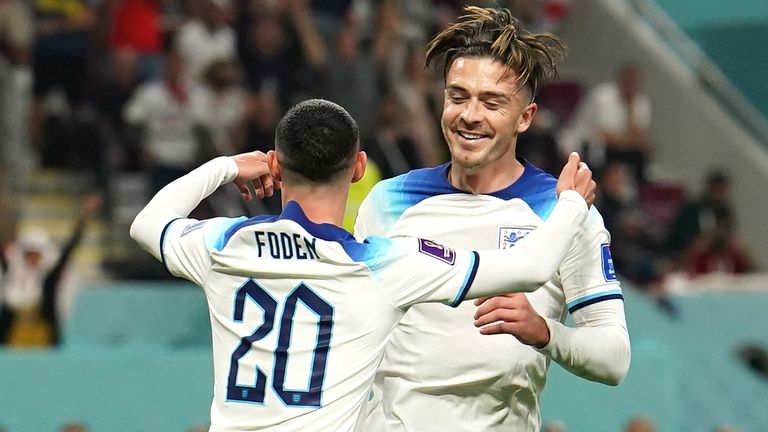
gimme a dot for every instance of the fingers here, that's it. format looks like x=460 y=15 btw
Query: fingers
x=584 y=184
x=481 y=300
x=506 y=315
x=500 y=328
x=489 y=304
x=243 y=188
x=571 y=167
x=269 y=185
x=258 y=187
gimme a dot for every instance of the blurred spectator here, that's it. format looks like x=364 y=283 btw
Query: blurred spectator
x=8 y=213
x=218 y=106
x=612 y=124
x=636 y=254
x=717 y=250
x=15 y=51
x=161 y=110
x=615 y=196
x=201 y=40
x=112 y=92
x=134 y=25
x=277 y=47
x=392 y=148
x=60 y=60
x=640 y=424
x=419 y=93
x=538 y=144
x=351 y=76
x=701 y=214
x=28 y=304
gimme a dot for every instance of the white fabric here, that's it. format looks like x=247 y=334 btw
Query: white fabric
x=24 y=283
x=603 y=109
x=438 y=372
x=170 y=138
x=264 y=264
x=199 y=46
x=219 y=114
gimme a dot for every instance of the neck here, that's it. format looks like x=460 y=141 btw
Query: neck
x=490 y=178
x=321 y=204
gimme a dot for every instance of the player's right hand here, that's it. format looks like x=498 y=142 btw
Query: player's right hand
x=253 y=169
x=577 y=176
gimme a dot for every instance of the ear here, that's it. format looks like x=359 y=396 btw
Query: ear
x=274 y=166
x=526 y=117
x=360 y=163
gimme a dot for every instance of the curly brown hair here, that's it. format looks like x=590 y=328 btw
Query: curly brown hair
x=495 y=33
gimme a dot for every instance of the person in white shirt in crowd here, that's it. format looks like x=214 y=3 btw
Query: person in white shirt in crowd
x=612 y=124
x=161 y=112
x=206 y=38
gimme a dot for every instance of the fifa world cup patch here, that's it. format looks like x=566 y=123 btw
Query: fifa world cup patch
x=509 y=236
x=435 y=250
x=608 y=271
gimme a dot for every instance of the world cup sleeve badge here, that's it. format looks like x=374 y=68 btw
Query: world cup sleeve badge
x=509 y=236
x=436 y=250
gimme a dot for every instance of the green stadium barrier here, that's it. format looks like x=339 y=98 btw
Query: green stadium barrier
x=137 y=358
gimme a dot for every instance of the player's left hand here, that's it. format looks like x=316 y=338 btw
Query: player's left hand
x=511 y=314
x=253 y=170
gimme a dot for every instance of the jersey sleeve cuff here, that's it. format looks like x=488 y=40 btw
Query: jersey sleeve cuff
x=468 y=280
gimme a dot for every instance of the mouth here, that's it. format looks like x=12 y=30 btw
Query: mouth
x=470 y=138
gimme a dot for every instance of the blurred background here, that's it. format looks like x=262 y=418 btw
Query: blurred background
x=103 y=102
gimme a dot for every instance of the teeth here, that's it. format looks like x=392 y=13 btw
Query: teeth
x=470 y=136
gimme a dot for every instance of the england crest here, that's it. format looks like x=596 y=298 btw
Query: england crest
x=509 y=236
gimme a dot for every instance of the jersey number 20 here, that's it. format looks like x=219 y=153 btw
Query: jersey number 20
x=255 y=394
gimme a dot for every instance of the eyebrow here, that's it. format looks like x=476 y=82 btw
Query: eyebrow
x=483 y=95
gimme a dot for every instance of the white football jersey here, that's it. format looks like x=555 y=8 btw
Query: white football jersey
x=300 y=312
x=438 y=372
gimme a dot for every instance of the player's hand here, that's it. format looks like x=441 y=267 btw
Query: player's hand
x=511 y=314
x=577 y=176
x=253 y=169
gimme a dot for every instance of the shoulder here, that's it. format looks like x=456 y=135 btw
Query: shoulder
x=536 y=187
x=390 y=198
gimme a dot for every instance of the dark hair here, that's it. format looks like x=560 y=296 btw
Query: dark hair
x=496 y=34
x=317 y=139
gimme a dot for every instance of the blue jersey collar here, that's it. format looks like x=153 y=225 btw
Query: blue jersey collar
x=329 y=232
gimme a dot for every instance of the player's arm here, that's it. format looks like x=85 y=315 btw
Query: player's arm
x=598 y=347
x=176 y=200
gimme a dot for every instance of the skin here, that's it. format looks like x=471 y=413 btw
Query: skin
x=481 y=101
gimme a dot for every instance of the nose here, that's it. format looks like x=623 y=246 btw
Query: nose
x=472 y=113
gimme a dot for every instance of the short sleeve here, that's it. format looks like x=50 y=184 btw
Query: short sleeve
x=417 y=270
x=587 y=272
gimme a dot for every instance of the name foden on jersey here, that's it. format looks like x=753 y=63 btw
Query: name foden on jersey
x=280 y=245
